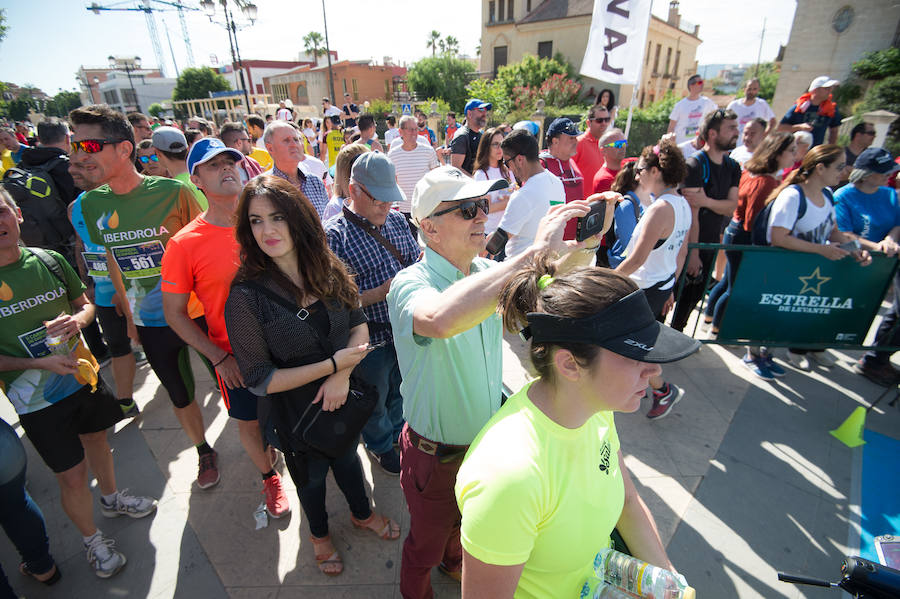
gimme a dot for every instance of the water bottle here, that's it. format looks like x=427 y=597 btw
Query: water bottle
x=595 y=588
x=640 y=578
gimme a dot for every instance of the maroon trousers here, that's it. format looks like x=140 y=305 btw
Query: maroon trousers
x=434 y=518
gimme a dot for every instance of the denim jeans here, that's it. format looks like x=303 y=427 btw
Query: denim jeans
x=380 y=369
x=308 y=472
x=886 y=335
x=20 y=517
x=718 y=297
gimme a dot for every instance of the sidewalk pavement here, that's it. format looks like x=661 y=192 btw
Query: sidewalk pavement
x=742 y=478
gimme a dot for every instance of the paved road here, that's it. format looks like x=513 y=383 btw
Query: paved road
x=742 y=478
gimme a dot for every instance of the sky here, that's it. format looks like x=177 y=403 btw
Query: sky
x=46 y=52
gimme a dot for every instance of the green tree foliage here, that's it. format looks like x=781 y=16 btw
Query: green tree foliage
x=155 y=109
x=768 y=79
x=885 y=95
x=433 y=41
x=194 y=83
x=531 y=71
x=4 y=28
x=450 y=46
x=313 y=43
x=878 y=65
x=18 y=109
x=441 y=77
x=63 y=103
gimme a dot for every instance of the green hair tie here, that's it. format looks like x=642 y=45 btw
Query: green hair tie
x=544 y=281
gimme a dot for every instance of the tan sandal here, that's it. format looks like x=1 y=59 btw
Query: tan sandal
x=330 y=564
x=382 y=526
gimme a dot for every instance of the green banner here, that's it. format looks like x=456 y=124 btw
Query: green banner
x=780 y=296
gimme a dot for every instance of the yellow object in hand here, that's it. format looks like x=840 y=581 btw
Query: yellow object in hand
x=87 y=373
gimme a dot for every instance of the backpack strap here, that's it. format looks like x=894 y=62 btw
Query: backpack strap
x=51 y=263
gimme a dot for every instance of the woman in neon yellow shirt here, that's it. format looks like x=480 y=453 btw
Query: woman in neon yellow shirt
x=543 y=484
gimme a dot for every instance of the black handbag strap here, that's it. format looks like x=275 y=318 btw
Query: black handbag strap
x=373 y=231
x=299 y=312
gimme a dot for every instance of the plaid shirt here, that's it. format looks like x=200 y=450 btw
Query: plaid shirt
x=371 y=262
x=312 y=187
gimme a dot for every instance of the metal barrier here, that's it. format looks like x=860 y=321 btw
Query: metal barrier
x=785 y=298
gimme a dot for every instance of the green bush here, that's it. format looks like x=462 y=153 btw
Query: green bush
x=885 y=95
x=442 y=77
x=879 y=64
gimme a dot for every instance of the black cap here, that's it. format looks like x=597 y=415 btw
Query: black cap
x=877 y=160
x=627 y=328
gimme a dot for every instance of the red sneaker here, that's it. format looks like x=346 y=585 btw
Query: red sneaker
x=276 y=501
x=664 y=400
x=208 y=471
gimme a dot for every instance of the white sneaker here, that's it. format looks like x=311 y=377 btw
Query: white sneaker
x=798 y=361
x=128 y=505
x=822 y=358
x=105 y=560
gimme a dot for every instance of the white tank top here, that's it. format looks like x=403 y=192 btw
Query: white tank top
x=663 y=260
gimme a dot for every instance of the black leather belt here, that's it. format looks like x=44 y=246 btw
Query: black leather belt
x=442 y=451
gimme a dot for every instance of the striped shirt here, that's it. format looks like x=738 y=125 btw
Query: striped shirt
x=411 y=166
x=311 y=186
x=370 y=262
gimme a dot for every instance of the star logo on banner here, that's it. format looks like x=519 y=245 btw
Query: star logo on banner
x=813 y=282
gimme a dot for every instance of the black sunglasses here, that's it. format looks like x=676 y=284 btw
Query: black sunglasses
x=469 y=208
x=601 y=120
x=506 y=161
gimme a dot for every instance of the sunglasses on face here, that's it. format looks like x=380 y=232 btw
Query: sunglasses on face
x=601 y=119
x=92 y=146
x=468 y=209
x=506 y=161
x=148 y=159
x=616 y=144
x=698 y=82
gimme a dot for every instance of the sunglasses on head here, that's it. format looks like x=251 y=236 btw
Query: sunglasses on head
x=92 y=146
x=616 y=144
x=148 y=159
x=469 y=208
x=604 y=119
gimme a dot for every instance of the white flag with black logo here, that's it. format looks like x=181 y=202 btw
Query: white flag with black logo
x=616 y=41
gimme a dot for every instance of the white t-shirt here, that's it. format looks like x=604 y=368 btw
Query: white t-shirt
x=313 y=167
x=687 y=148
x=311 y=136
x=527 y=206
x=284 y=114
x=410 y=167
x=815 y=226
x=662 y=261
x=333 y=111
x=493 y=219
x=390 y=135
x=759 y=109
x=688 y=114
x=741 y=154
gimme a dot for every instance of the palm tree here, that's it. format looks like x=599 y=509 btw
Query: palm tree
x=432 y=42
x=312 y=42
x=452 y=47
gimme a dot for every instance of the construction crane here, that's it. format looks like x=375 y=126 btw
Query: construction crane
x=148 y=10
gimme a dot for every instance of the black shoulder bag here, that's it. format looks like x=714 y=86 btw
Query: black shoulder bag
x=306 y=426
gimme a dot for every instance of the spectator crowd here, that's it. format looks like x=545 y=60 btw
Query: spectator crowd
x=319 y=270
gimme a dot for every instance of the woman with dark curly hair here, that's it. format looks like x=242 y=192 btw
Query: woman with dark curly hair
x=284 y=252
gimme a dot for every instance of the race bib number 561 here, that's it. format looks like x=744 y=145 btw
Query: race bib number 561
x=140 y=260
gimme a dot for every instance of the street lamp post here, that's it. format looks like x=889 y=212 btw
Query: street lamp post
x=249 y=10
x=135 y=63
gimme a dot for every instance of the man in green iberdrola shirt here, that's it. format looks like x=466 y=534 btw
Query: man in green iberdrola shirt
x=133 y=217
x=41 y=296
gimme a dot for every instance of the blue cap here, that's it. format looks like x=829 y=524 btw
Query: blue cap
x=476 y=103
x=562 y=125
x=877 y=160
x=529 y=126
x=375 y=172
x=208 y=148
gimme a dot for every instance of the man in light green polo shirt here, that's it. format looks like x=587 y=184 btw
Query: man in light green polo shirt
x=449 y=342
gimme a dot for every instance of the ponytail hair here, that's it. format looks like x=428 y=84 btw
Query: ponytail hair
x=668 y=158
x=823 y=154
x=579 y=293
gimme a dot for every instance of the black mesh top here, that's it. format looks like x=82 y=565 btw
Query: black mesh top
x=264 y=334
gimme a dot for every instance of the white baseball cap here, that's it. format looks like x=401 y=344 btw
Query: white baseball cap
x=823 y=81
x=447 y=184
